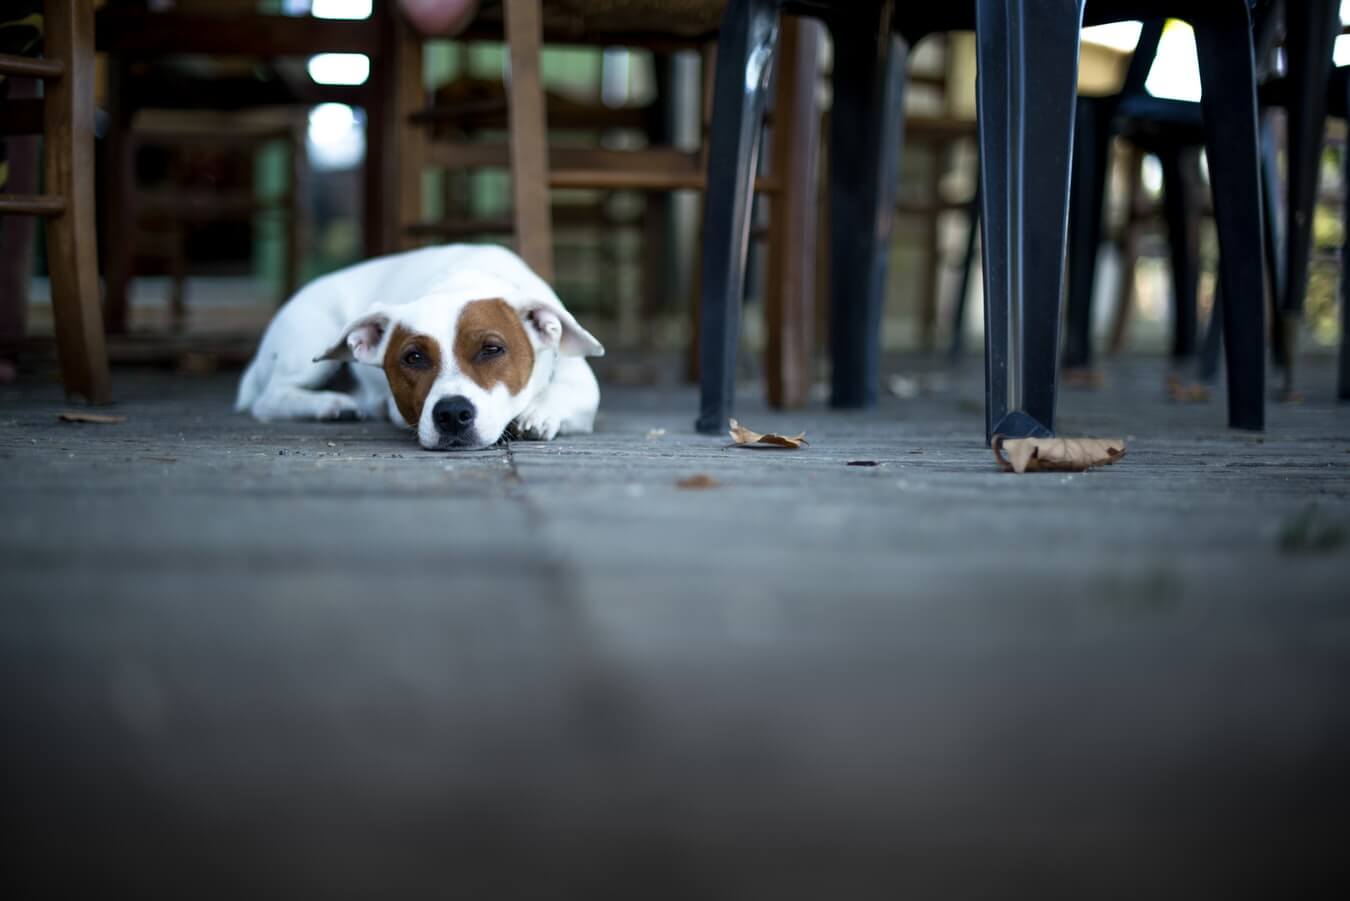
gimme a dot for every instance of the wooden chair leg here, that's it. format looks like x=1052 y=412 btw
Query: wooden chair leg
x=789 y=302
x=1129 y=251
x=71 y=240
x=410 y=96
x=382 y=141
x=528 y=137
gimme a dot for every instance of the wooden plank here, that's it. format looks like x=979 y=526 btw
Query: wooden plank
x=31 y=66
x=32 y=204
x=789 y=296
x=122 y=30
x=651 y=169
x=528 y=137
x=68 y=148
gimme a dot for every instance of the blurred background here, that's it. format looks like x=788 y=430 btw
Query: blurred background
x=236 y=207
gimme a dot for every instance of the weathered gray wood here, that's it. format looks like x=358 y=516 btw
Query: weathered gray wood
x=288 y=660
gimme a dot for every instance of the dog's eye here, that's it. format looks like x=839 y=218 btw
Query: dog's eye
x=491 y=350
x=415 y=359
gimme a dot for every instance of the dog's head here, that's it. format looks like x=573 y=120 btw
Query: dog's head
x=461 y=370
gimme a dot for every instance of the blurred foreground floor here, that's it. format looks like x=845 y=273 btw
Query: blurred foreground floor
x=297 y=660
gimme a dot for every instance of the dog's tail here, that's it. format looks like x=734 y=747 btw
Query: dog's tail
x=250 y=385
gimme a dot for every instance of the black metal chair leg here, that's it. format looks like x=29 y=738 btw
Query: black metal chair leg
x=1026 y=91
x=967 y=265
x=1223 y=40
x=1183 y=238
x=865 y=138
x=745 y=52
x=1087 y=201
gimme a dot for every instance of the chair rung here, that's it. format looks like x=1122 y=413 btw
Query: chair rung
x=32 y=204
x=31 y=67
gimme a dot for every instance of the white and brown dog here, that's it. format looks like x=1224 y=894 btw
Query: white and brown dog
x=460 y=342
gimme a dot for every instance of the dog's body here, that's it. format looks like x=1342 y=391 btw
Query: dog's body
x=460 y=342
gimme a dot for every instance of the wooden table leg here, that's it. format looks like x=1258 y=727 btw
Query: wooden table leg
x=410 y=96
x=789 y=296
x=789 y=301
x=71 y=239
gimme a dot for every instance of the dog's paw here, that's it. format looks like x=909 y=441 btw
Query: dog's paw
x=537 y=425
x=338 y=407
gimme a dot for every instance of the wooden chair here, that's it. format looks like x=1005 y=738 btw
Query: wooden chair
x=536 y=167
x=66 y=121
x=166 y=214
x=131 y=33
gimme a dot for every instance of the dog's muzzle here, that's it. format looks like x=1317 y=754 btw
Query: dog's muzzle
x=454 y=421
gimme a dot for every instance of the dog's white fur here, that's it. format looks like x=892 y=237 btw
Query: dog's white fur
x=350 y=314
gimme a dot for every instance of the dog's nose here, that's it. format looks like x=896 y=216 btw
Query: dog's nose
x=453 y=415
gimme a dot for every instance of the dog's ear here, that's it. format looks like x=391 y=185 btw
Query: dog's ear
x=557 y=328
x=362 y=341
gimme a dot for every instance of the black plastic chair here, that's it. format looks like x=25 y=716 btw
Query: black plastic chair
x=1026 y=119
x=1174 y=131
x=1171 y=130
x=1027 y=58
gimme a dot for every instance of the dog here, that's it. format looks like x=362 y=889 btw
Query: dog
x=460 y=342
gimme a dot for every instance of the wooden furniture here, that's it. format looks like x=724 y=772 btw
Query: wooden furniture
x=66 y=122
x=536 y=168
x=188 y=198
x=133 y=35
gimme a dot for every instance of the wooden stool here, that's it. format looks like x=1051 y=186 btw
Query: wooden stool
x=67 y=126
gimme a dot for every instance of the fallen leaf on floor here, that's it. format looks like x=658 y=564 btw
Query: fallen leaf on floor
x=697 y=482
x=1183 y=393
x=1056 y=454
x=655 y=433
x=863 y=463
x=100 y=418
x=1084 y=378
x=743 y=437
x=1290 y=396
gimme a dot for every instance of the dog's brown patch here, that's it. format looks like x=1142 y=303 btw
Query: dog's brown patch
x=494 y=322
x=410 y=384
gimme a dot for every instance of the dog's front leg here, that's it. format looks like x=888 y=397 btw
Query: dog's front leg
x=566 y=407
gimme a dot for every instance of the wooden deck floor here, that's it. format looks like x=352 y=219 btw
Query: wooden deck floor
x=245 y=660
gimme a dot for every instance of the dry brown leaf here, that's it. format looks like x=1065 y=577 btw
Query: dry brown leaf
x=744 y=437
x=1056 y=454
x=697 y=482
x=1184 y=393
x=100 y=418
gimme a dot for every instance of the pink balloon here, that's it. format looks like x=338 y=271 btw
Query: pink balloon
x=440 y=17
